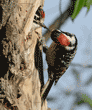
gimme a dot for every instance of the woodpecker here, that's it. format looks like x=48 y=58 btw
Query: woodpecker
x=58 y=56
x=65 y=49
x=38 y=22
x=39 y=18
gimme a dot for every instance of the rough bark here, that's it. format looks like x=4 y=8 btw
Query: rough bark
x=20 y=78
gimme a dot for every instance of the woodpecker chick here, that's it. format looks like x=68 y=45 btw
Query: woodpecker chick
x=39 y=15
x=59 y=56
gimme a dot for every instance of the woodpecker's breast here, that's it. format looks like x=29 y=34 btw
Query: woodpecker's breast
x=51 y=54
x=59 y=58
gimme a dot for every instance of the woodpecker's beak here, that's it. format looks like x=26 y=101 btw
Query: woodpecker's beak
x=43 y=25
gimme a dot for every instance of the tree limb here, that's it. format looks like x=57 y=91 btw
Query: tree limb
x=58 y=22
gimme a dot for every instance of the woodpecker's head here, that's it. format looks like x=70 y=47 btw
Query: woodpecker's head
x=39 y=15
x=39 y=18
x=65 y=39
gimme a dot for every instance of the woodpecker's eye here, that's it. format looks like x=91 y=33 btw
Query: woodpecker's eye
x=55 y=34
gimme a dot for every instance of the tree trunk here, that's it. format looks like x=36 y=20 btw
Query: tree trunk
x=20 y=56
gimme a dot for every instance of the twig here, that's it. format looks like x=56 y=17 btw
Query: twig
x=58 y=22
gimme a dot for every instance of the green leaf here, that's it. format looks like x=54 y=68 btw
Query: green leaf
x=87 y=99
x=78 y=6
x=80 y=102
x=88 y=3
x=85 y=3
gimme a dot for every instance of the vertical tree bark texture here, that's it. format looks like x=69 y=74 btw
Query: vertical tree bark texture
x=20 y=76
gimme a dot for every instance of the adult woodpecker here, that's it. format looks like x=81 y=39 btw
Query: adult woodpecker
x=59 y=56
x=39 y=18
x=37 y=22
